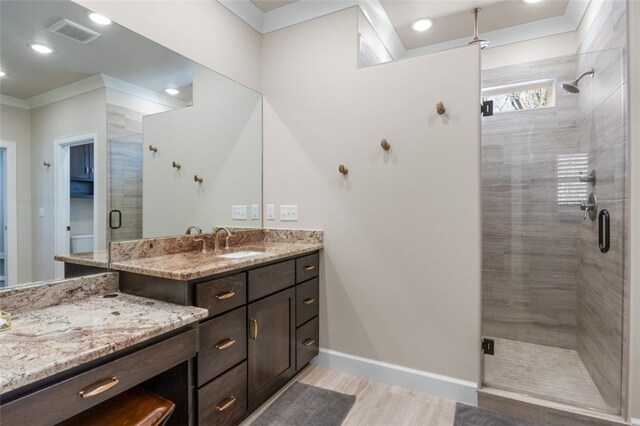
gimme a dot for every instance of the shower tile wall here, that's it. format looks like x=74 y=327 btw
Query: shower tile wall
x=124 y=133
x=530 y=261
x=602 y=134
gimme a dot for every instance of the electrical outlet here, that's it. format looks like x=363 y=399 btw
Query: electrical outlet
x=289 y=213
x=255 y=211
x=239 y=212
x=271 y=212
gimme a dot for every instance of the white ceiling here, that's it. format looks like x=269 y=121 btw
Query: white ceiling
x=118 y=52
x=501 y=21
x=269 y=5
x=453 y=19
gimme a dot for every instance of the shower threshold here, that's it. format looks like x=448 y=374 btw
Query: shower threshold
x=543 y=372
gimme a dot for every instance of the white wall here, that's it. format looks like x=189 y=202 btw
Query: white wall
x=634 y=219
x=401 y=274
x=15 y=126
x=202 y=30
x=79 y=114
x=219 y=138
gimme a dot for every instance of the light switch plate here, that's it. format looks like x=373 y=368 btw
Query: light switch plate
x=255 y=211
x=239 y=212
x=271 y=212
x=289 y=213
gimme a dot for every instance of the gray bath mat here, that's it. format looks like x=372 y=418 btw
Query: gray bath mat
x=467 y=415
x=307 y=405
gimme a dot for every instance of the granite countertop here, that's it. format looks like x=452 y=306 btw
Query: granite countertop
x=99 y=259
x=195 y=264
x=47 y=341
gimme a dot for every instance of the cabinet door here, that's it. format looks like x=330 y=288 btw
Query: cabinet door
x=88 y=153
x=271 y=330
x=78 y=166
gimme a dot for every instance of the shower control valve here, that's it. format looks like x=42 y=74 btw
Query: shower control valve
x=590 y=207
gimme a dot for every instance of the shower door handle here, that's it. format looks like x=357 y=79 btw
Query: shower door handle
x=604 y=228
x=111 y=215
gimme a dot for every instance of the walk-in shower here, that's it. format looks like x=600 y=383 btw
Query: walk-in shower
x=552 y=297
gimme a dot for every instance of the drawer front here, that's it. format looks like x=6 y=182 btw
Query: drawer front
x=307 y=301
x=224 y=401
x=58 y=402
x=307 y=267
x=270 y=279
x=307 y=343
x=223 y=294
x=223 y=344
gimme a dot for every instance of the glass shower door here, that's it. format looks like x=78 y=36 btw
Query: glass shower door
x=552 y=289
x=124 y=203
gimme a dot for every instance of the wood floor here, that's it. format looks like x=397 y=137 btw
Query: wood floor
x=377 y=404
x=543 y=371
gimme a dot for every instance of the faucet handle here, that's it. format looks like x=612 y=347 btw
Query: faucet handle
x=203 y=244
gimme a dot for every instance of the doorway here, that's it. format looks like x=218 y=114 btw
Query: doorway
x=76 y=207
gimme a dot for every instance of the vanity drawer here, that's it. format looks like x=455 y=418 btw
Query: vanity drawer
x=223 y=294
x=58 y=402
x=223 y=344
x=307 y=301
x=307 y=342
x=224 y=401
x=307 y=267
x=270 y=279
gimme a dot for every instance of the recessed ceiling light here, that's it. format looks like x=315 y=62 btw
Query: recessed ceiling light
x=422 y=24
x=99 y=19
x=171 y=91
x=2 y=73
x=41 y=48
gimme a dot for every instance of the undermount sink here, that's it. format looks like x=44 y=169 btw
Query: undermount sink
x=241 y=254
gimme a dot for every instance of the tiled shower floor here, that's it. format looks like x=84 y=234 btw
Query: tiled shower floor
x=542 y=371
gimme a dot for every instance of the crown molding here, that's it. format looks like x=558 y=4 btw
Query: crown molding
x=304 y=10
x=89 y=84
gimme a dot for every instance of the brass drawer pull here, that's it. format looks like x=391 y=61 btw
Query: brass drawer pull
x=229 y=402
x=101 y=387
x=225 y=296
x=254 y=329
x=225 y=344
x=309 y=342
x=309 y=301
x=309 y=267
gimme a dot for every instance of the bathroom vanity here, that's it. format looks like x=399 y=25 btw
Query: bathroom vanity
x=262 y=303
x=261 y=330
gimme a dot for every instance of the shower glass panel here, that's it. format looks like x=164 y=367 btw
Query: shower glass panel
x=552 y=300
x=124 y=209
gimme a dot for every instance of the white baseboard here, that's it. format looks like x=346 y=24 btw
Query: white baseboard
x=396 y=375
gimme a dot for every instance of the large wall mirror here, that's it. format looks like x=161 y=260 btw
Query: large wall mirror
x=108 y=136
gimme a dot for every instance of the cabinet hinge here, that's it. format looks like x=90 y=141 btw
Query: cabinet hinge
x=488 y=346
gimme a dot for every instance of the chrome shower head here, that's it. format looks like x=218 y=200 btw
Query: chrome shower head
x=572 y=86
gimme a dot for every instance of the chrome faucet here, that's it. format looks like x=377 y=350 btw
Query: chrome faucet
x=216 y=242
x=194 y=227
x=203 y=244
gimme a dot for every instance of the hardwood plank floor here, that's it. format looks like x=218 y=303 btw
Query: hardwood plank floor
x=377 y=404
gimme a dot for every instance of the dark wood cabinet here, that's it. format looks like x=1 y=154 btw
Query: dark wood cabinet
x=271 y=345
x=81 y=162
x=262 y=329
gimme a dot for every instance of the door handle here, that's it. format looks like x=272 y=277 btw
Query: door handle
x=99 y=388
x=309 y=301
x=254 y=329
x=225 y=344
x=111 y=215
x=604 y=229
x=224 y=296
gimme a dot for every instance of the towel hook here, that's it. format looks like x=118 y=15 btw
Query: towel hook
x=177 y=165
x=197 y=178
x=46 y=163
x=343 y=169
x=153 y=148
x=385 y=145
x=440 y=109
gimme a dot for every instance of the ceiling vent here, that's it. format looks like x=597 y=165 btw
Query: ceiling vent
x=73 y=31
